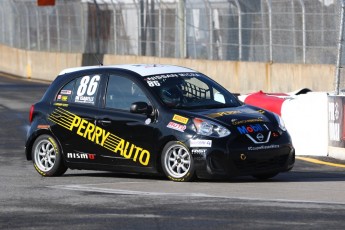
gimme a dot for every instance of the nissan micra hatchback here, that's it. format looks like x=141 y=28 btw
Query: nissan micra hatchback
x=153 y=119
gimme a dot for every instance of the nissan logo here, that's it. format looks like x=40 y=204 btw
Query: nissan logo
x=260 y=137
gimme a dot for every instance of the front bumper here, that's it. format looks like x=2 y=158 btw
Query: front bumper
x=217 y=163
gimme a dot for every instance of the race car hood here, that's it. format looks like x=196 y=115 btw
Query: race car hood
x=239 y=115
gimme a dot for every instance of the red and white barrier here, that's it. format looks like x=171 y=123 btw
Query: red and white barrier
x=305 y=116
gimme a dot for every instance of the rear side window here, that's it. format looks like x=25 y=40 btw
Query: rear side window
x=82 y=90
x=66 y=92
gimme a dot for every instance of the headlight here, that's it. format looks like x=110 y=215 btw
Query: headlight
x=280 y=122
x=209 y=128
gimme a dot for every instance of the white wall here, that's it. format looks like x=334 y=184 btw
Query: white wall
x=306 y=119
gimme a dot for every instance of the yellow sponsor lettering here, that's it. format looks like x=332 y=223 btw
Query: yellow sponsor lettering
x=97 y=134
x=104 y=137
x=119 y=147
x=136 y=153
x=129 y=154
x=75 y=122
x=82 y=127
x=220 y=114
x=90 y=128
x=100 y=136
x=144 y=155
x=178 y=118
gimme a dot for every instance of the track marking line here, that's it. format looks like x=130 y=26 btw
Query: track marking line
x=312 y=160
x=196 y=195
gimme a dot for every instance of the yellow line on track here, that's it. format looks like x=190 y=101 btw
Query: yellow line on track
x=320 y=162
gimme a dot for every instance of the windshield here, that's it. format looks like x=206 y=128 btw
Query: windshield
x=190 y=90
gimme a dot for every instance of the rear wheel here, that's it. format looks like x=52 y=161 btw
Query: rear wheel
x=177 y=162
x=46 y=157
x=265 y=176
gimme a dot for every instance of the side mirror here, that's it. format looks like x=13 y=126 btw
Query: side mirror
x=141 y=108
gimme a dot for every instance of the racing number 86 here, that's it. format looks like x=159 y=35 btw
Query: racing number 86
x=88 y=86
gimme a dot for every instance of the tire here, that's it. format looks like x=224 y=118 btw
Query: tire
x=265 y=176
x=177 y=162
x=46 y=157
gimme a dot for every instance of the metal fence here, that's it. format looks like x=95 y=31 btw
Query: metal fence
x=288 y=31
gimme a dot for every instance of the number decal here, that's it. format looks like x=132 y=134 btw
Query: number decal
x=88 y=86
x=91 y=90
x=153 y=83
x=83 y=86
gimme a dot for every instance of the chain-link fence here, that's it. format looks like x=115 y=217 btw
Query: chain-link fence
x=287 y=31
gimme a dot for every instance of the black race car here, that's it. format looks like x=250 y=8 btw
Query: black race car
x=153 y=119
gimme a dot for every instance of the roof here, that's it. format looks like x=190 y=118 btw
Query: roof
x=141 y=69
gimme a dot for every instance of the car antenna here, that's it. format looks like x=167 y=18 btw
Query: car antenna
x=99 y=62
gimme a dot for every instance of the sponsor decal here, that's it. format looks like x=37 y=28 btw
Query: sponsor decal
x=178 y=127
x=178 y=118
x=99 y=136
x=200 y=143
x=66 y=92
x=246 y=129
x=84 y=99
x=254 y=120
x=220 y=114
x=64 y=98
x=260 y=137
x=61 y=104
x=263 y=147
x=334 y=123
x=199 y=153
x=86 y=156
x=59 y=97
x=43 y=126
x=154 y=81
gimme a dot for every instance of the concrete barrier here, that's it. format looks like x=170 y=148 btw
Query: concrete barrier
x=238 y=77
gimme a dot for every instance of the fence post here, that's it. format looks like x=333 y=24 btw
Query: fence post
x=239 y=12
x=303 y=31
x=340 y=40
x=182 y=27
x=114 y=25
x=160 y=29
x=58 y=29
x=48 y=32
x=38 y=30
x=269 y=5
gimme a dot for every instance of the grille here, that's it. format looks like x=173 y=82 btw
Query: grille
x=261 y=164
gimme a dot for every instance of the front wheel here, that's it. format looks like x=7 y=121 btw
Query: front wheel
x=177 y=162
x=46 y=157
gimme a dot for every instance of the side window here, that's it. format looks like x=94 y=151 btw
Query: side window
x=122 y=92
x=86 y=89
x=218 y=96
x=66 y=92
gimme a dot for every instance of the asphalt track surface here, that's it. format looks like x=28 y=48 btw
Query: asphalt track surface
x=311 y=196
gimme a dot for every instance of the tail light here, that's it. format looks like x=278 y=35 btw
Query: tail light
x=32 y=108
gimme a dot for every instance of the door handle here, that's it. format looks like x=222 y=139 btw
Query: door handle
x=104 y=122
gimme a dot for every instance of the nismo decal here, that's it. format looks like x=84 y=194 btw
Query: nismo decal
x=99 y=136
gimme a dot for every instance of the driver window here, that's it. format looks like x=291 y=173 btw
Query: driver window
x=122 y=92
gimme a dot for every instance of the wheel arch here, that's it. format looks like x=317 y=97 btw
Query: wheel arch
x=162 y=143
x=34 y=136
